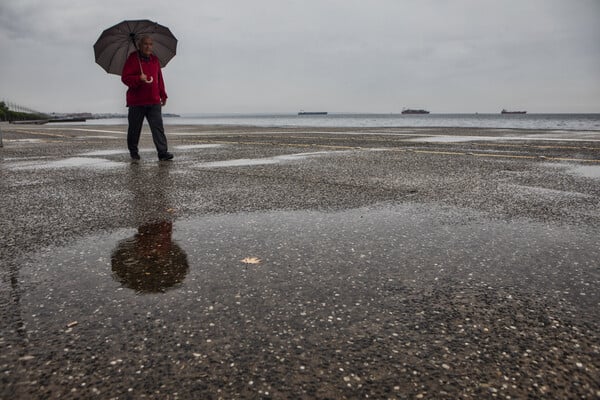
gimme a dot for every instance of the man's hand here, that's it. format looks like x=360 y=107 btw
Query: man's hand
x=144 y=78
x=163 y=102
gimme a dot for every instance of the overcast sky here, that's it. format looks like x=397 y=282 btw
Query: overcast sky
x=335 y=55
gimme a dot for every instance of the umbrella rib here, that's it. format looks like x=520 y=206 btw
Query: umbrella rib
x=164 y=43
x=114 y=56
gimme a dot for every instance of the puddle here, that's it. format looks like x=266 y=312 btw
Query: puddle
x=403 y=132
x=113 y=152
x=537 y=193
x=200 y=258
x=104 y=153
x=26 y=158
x=242 y=162
x=197 y=146
x=593 y=133
x=98 y=137
x=89 y=130
x=586 y=171
x=71 y=162
x=367 y=132
x=566 y=136
x=245 y=162
x=459 y=139
x=25 y=140
x=455 y=139
x=23 y=183
x=172 y=133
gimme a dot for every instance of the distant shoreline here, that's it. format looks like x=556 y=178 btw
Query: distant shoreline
x=118 y=115
x=559 y=122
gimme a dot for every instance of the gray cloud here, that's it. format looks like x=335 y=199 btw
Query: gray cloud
x=279 y=56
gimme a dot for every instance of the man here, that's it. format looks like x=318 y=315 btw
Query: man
x=145 y=97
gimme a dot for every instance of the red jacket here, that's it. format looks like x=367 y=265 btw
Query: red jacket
x=141 y=93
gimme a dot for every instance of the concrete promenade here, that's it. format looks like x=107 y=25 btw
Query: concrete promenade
x=437 y=263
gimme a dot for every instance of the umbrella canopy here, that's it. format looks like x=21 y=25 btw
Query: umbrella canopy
x=116 y=43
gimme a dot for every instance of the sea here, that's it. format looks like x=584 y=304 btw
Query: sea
x=575 y=122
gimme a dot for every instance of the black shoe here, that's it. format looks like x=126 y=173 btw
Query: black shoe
x=165 y=157
x=135 y=156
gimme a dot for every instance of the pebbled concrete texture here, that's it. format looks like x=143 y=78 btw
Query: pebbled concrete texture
x=299 y=263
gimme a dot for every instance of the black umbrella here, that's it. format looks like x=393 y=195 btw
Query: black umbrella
x=116 y=43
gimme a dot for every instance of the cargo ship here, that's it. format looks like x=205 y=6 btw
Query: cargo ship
x=413 y=111
x=512 y=112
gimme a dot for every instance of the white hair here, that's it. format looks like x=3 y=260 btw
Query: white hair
x=141 y=39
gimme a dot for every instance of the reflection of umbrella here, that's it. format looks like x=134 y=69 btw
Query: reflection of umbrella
x=150 y=262
x=116 y=43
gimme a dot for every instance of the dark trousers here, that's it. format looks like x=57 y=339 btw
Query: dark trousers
x=136 y=117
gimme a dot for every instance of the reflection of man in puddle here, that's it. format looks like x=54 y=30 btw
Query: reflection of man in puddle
x=150 y=261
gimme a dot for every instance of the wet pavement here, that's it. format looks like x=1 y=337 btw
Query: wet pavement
x=300 y=263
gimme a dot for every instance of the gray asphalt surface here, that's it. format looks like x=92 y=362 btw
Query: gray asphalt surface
x=300 y=263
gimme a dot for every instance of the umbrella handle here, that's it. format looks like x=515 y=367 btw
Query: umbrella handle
x=142 y=71
x=132 y=36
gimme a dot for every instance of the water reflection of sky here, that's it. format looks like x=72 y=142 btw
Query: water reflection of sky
x=309 y=251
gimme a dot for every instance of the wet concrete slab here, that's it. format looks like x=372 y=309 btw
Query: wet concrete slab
x=334 y=271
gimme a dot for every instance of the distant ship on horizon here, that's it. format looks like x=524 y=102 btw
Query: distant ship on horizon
x=414 y=111
x=302 y=112
x=512 y=112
